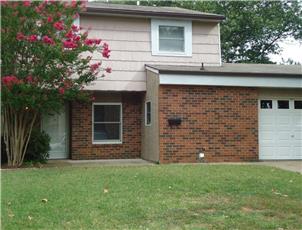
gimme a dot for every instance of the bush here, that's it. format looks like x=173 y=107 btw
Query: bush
x=38 y=147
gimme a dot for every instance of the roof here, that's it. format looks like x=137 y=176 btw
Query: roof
x=233 y=69
x=149 y=11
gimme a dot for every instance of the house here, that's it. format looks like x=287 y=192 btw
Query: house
x=170 y=99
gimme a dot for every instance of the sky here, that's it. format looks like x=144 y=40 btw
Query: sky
x=290 y=49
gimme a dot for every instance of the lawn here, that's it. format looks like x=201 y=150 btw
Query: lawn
x=152 y=197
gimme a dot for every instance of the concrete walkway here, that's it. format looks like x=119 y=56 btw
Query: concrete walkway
x=294 y=166
x=115 y=162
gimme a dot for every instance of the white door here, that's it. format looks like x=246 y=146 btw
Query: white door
x=56 y=127
x=280 y=129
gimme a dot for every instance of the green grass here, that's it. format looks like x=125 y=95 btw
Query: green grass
x=153 y=197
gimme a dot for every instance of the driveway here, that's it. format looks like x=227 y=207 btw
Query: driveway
x=294 y=166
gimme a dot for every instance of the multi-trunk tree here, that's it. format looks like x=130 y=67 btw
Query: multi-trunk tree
x=45 y=62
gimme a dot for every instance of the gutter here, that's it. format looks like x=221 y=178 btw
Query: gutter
x=143 y=13
x=215 y=73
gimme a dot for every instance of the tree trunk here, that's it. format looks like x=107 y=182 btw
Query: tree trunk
x=17 y=128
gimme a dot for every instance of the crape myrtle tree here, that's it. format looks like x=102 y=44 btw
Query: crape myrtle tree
x=46 y=61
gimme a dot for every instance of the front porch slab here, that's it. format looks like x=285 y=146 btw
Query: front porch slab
x=115 y=162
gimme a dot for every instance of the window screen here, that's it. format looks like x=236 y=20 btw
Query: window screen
x=171 y=38
x=107 y=122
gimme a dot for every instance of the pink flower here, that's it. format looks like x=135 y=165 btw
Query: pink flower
x=9 y=81
x=73 y=3
x=77 y=38
x=75 y=28
x=106 y=51
x=26 y=3
x=75 y=16
x=66 y=5
x=40 y=7
x=32 y=38
x=58 y=25
x=29 y=79
x=69 y=44
x=61 y=91
x=48 y=40
x=93 y=98
x=95 y=66
x=20 y=36
x=88 y=42
x=108 y=70
x=97 y=41
x=69 y=34
x=49 y=19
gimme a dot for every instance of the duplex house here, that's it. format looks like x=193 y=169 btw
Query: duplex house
x=170 y=98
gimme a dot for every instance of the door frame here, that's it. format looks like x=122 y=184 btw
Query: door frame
x=66 y=110
x=291 y=98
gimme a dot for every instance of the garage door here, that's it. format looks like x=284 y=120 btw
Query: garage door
x=280 y=129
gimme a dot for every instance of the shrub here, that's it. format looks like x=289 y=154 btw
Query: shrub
x=38 y=147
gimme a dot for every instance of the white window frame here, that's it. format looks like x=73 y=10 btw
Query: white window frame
x=146 y=124
x=120 y=141
x=155 y=23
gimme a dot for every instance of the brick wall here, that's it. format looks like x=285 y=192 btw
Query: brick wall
x=81 y=131
x=222 y=122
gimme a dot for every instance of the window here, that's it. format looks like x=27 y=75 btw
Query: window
x=266 y=104
x=298 y=104
x=148 y=113
x=107 y=123
x=171 y=38
x=283 y=104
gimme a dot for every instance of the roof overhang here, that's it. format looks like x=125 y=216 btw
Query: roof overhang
x=227 y=80
x=240 y=79
x=91 y=10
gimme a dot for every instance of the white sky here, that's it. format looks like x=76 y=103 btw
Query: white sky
x=290 y=49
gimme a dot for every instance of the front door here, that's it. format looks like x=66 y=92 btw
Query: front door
x=56 y=127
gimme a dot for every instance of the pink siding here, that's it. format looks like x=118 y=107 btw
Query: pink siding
x=130 y=42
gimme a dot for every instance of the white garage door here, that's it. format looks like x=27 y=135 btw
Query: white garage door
x=280 y=129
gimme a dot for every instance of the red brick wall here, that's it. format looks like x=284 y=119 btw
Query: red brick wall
x=222 y=122
x=81 y=131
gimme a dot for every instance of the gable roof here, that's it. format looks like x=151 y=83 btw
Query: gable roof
x=233 y=69
x=149 y=11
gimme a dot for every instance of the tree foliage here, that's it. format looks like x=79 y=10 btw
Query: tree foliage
x=45 y=61
x=252 y=29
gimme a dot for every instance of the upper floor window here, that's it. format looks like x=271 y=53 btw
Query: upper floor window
x=171 y=38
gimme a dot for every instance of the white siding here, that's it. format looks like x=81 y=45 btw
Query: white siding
x=130 y=42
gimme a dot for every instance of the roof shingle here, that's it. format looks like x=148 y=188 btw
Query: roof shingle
x=149 y=11
x=234 y=68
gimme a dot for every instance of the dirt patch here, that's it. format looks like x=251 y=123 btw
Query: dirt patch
x=247 y=209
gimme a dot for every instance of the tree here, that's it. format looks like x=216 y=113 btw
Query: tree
x=44 y=64
x=252 y=29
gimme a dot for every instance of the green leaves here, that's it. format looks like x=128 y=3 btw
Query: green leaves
x=39 y=40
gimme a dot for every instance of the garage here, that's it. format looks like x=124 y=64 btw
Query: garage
x=280 y=126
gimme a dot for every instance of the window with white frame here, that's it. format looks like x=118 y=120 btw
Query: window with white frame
x=107 y=123
x=171 y=38
x=148 y=113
